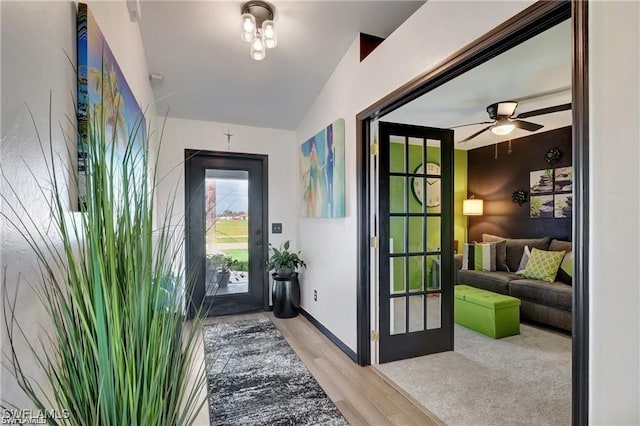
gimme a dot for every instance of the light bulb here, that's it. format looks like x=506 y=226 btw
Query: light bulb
x=258 y=55
x=269 y=34
x=248 y=27
x=257 y=44
x=258 y=52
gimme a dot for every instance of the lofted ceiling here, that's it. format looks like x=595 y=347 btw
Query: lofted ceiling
x=208 y=74
x=536 y=73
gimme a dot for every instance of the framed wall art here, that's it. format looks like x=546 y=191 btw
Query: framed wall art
x=322 y=168
x=103 y=96
x=541 y=181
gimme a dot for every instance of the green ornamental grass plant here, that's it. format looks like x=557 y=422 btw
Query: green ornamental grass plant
x=111 y=285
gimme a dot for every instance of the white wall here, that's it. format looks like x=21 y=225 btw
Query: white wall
x=35 y=37
x=614 y=293
x=279 y=145
x=429 y=36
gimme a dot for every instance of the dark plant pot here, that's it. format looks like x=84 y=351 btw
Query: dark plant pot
x=285 y=295
x=284 y=272
x=212 y=275
x=223 y=278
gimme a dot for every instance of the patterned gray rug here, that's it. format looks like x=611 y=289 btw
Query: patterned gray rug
x=255 y=378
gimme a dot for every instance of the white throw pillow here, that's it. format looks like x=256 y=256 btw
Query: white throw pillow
x=524 y=260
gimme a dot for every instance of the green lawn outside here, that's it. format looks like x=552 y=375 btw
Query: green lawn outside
x=238 y=254
x=232 y=231
x=232 y=239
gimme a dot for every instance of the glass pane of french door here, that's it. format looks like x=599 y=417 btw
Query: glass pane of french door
x=415 y=234
x=226 y=232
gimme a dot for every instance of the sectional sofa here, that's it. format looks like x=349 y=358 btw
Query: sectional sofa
x=542 y=302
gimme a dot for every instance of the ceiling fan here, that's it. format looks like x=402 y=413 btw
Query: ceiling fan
x=504 y=119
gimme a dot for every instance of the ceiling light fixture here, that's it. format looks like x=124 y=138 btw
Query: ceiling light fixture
x=258 y=28
x=503 y=127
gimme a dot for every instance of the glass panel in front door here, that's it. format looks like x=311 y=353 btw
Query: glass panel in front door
x=226 y=232
x=415 y=234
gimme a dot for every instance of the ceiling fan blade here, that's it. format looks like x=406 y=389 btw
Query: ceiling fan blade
x=541 y=111
x=527 y=125
x=472 y=124
x=475 y=134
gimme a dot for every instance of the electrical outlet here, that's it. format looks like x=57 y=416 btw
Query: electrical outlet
x=315 y=295
x=276 y=228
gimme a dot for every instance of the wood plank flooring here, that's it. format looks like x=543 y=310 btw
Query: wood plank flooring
x=360 y=393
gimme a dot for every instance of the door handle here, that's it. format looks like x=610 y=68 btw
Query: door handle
x=259 y=242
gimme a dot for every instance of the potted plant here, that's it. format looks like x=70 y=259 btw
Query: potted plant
x=223 y=267
x=113 y=297
x=286 y=287
x=283 y=261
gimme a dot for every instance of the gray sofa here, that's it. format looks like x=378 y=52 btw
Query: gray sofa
x=541 y=301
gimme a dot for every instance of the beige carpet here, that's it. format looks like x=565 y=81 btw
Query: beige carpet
x=518 y=380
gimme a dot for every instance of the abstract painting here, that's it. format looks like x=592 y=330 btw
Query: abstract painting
x=322 y=172
x=103 y=94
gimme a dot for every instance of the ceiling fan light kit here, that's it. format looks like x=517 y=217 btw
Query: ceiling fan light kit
x=503 y=128
x=258 y=28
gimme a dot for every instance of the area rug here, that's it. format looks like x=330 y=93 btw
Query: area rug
x=255 y=378
x=517 y=380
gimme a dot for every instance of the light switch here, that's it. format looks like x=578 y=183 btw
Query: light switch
x=276 y=228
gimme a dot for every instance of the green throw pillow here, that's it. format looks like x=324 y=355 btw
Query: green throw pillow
x=479 y=257
x=485 y=257
x=543 y=265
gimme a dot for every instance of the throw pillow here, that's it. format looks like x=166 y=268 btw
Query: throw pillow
x=565 y=273
x=468 y=254
x=489 y=238
x=515 y=247
x=524 y=260
x=501 y=250
x=485 y=257
x=543 y=265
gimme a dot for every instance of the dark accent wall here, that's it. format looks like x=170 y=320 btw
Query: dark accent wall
x=494 y=180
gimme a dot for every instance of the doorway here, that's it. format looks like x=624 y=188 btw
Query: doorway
x=226 y=239
x=532 y=21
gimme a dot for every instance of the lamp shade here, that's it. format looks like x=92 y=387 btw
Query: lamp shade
x=257 y=49
x=269 y=34
x=472 y=207
x=248 y=27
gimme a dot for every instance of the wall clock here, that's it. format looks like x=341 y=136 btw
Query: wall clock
x=433 y=185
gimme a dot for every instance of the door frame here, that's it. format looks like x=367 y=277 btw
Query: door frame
x=264 y=160
x=531 y=21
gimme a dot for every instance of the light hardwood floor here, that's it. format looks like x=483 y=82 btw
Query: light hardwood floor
x=360 y=393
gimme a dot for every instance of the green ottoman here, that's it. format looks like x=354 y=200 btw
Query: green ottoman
x=494 y=315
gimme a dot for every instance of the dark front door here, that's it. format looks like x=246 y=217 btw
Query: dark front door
x=416 y=247
x=226 y=242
